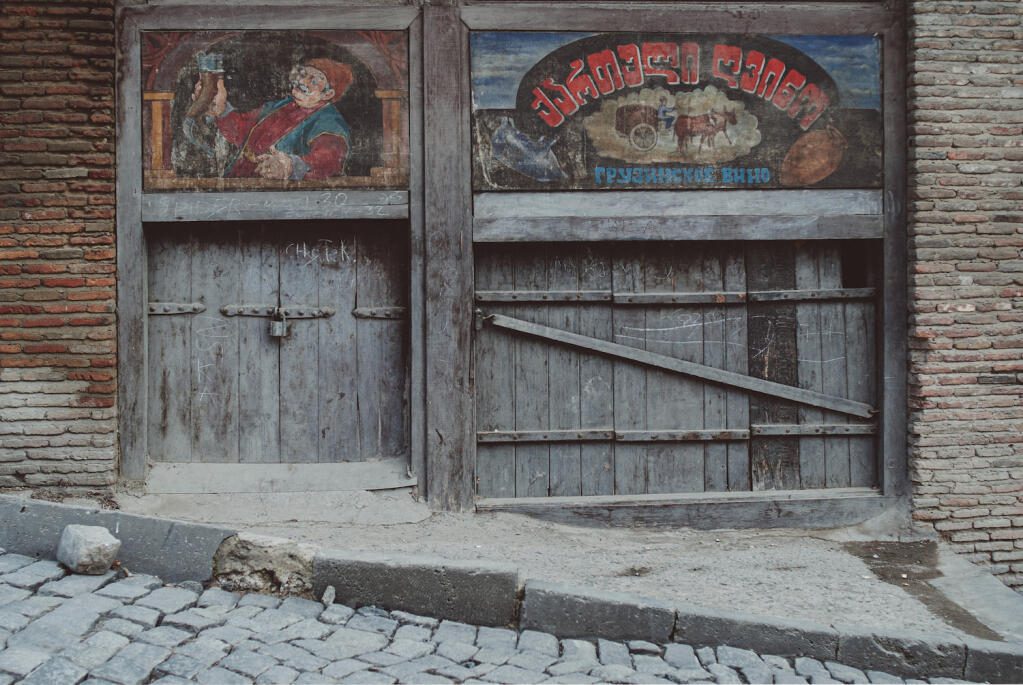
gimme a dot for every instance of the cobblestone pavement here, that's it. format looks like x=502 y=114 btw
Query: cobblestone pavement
x=57 y=628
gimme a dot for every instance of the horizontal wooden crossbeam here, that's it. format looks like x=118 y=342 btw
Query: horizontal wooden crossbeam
x=686 y=368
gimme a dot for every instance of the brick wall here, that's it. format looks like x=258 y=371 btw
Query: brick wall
x=966 y=228
x=57 y=266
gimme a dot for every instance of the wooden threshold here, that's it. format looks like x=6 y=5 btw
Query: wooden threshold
x=823 y=508
x=195 y=478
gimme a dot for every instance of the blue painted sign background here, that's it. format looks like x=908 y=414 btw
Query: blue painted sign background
x=682 y=111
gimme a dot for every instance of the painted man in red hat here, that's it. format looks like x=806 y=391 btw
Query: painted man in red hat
x=298 y=138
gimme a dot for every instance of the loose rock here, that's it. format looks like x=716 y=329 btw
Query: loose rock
x=87 y=549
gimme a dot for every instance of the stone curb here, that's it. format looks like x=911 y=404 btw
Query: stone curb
x=470 y=592
x=493 y=594
x=173 y=550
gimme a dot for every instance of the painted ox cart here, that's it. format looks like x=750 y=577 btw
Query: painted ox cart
x=639 y=124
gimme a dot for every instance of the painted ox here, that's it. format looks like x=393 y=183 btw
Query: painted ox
x=706 y=126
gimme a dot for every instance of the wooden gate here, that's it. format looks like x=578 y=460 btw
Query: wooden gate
x=223 y=389
x=674 y=367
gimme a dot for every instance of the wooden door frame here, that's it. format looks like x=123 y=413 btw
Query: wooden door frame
x=134 y=207
x=885 y=19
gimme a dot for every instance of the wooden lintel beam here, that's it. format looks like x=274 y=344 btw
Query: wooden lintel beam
x=687 y=368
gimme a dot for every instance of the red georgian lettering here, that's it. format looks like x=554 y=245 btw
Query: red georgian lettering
x=772 y=75
x=727 y=63
x=789 y=88
x=655 y=54
x=752 y=70
x=690 y=66
x=632 y=64
x=810 y=105
x=580 y=84
x=548 y=112
x=606 y=72
x=561 y=97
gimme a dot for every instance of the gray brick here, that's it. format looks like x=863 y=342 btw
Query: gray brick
x=34 y=575
x=247 y=663
x=302 y=607
x=682 y=657
x=452 y=631
x=221 y=676
x=293 y=657
x=133 y=664
x=413 y=632
x=205 y=650
x=21 y=661
x=56 y=671
x=845 y=674
x=723 y=674
x=74 y=585
x=92 y=602
x=257 y=600
x=96 y=649
x=164 y=636
x=130 y=588
x=358 y=640
x=410 y=649
x=645 y=663
x=496 y=637
x=382 y=658
x=494 y=655
x=277 y=675
x=532 y=661
x=513 y=675
x=169 y=600
x=789 y=678
x=614 y=653
x=344 y=667
x=9 y=593
x=457 y=651
x=12 y=562
x=307 y=629
x=218 y=597
x=578 y=650
x=572 y=665
x=456 y=671
x=612 y=672
x=367 y=678
x=377 y=624
x=882 y=677
x=121 y=627
x=415 y=619
x=267 y=621
x=643 y=647
x=11 y=621
x=34 y=606
x=758 y=673
x=537 y=641
x=136 y=614
x=170 y=680
x=806 y=666
x=229 y=634
x=572 y=679
x=738 y=658
x=337 y=614
x=181 y=665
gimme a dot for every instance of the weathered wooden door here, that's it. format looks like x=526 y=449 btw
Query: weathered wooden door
x=222 y=388
x=642 y=368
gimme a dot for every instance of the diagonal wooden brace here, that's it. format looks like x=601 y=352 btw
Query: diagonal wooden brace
x=686 y=368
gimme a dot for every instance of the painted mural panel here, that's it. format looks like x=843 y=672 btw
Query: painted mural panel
x=624 y=111
x=274 y=110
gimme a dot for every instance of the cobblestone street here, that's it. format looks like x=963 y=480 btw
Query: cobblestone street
x=57 y=628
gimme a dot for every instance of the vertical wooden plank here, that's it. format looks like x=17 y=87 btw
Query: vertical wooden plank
x=860 y=344
x=532 y=389
x=132 y=298
x=893 y=352
x=674 y=402
x=737 y=360
x=450 y=447
x=495 y=380
x=833 y=365
x=596 y=376
x=300 y=388
x=259 y=437
x=772 y=356
x=808 y=349
x=565 y=391
x=629 y=380
x=381 y=343
x=337 y=362
x=715 y=398
x=215 y=283
x=170 y=348
x=417 y=248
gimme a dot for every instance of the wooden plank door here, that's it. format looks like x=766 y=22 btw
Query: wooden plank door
x=578 y=357
x=335 y=389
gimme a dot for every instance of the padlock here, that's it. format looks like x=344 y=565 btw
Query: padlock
x=279 y=327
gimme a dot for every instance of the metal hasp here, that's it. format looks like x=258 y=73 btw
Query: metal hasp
x=279 y=326
x=171 y=308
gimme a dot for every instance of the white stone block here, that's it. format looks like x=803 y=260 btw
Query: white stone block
x=87 y=549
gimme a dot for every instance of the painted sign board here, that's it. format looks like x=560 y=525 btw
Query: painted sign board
x=627 y=111
x=274 y=110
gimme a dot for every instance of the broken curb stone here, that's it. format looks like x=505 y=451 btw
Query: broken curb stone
x=89 y=550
